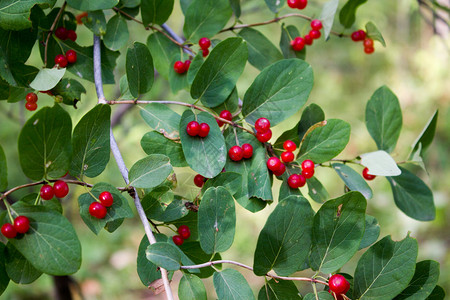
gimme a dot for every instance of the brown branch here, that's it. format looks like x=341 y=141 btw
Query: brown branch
x=51 y=31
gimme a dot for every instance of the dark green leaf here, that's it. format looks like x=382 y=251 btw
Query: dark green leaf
x=348 y=12
x=155 y=143
x=385 y=269
x=90 y=142
x=191 y=288
x=327 y=16
x=70 y=90
x=373 y=33
x=17 y=45
x=150 y=171
x=288 y=34
x=15 y=15
x=47 y=79
x=158 y=211
x=380 y=163
x=316 y=190
x=196 y=63
x=236 y=7
x=117 y=34
x=140 y=71
x=426 y=137
x=45 y=147
x=88 y=5
x=124 y=89
x=413 y=196
x=96 y=22
x=320 y=296
x=147 y=271
x=371 y=232
x=231 y=103
x=162 y=119
x=163 y=51
x=164 y=255
x=4 y=279
x=353 y=180
x=423 y=282
x=437 y=294
x=231 y=285
x=274 y=5
x=156 y=11
x=229 y=180
x=280 y=289
x=19 y=269
x=337 y=232
x=286 y=191
x=198 y=256
x=3 y=170
x=284 y=242
x=184 y=5
x=54 y=203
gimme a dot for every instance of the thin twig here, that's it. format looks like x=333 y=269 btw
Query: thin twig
x=51 y=31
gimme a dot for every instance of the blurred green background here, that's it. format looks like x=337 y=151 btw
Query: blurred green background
x=415 y=65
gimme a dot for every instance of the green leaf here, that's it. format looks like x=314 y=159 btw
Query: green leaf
x=426 y=137
x=17 y=45
x=163 y=51
x=18 y=268
x=194 y=252
x=148 y=271
x=196 y=63
x=150 y=171
x=261 y=51
x=337 y=232
x=156 y=11
x=371 y=232
x=191 y=288
x=230 y=180
x=140 y=71
x=413 y=196
x=88 y=5
x=385 y=269
x=4 y=279
x=70 y=90
x=327 y=16
x=15 y=15
x=164 y=255
x=184 y=5
x=279 y=91
x=373 y=33
x=274 y=5
x=51 y=238
x=158 y=211
x=326 y=142
x=280 y=289
x=384 y=118
x=380 y=163
x=320 y=296
x=96 y=22
x=217 y=77
x=348 y=12
x=353 y=180
x=231 y=103
x=316 y=190
x=285 y=190
x=288 y=34
x=216 y=220
x=155 y=143
x=423 y=282
x=283 y=244
x=54 y=203
x=206 y=156
x=437 y=294
x=47 y=79
x=90 y=142
x=3 y=170
x=45 y=147
x=117 y=34
x=231 y=285
x=162 y=119
x=236 y=7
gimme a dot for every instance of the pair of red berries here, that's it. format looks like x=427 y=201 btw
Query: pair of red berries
x=296 y=181
x=366 y=175
x=276 y=166
x=64 y=34
x=60 y=189
x=193 y=128
x=263 y=132
x=288 y=155
x=199 y=180
x=299 y=42
x=204 y=44
x=237 y=153
x=70 y=57
x=338 y=285
x=98 y=209
x=360 y=35
x=299 y=4
x=181 y=67
x=31 y=101
x=224 y=114
x=183 y=234
x=21 y=225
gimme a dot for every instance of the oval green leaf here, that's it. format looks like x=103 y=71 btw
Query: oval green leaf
x=117 y=34
x=380 y=163
x=373 y=33
x=162 y=119
x=163 y=52
x=327 y=16
x=150 y=171
x=316 y=190
x=140 y=71
x=47 y=79
x=191 y=288
x=164 y=255
x=348 y=12
x=148 y=271
x=231 y=285
x=194 y=252
x=423 y=282
x=288 y=34
x=277 y=290
x=155 y=143
x=426 y=137
x=371 y=232
x=353 y=180
x=18 y=268
x=88 y=5
x=156 y=11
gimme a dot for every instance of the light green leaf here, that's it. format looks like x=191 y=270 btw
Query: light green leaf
x=348 y=12
x=327 y=16
x=274 y=5
x=140 y=71
x=150 y=171
x=163 y=51
x=88 y=5
x=373 y=33
x=117 y=34
x=164 y=255
x=277 y=290
x=47 y=79
x=3 y=170
x=423 y=282
x=371 y=232
x=231 y=285
x=353 y=180
x=155 y=11
x=18 y=268
x=15 y=14
x=162 y=119
x=155 y=143
x=426 y=137
x=380 y=163
x=191 y=288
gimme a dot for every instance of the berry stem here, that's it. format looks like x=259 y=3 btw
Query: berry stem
x=52 y=28
x=8 y=209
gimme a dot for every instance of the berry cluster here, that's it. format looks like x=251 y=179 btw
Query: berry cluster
x=31 y=101
x=64 y=34
x=183 y=234
x=21 y=225
x=296 y=181
x=299 y=4
x=98 y=209
x=60 y=189
x=237 y=153
x=360 y=35
x=224 y=114
x=366 y=175
x=263 y=132
x=276 y=166
x=204 y=44
x=299 y=42
x=193 y=128
x=62 y=61
x=181 y=67
x=338 y=285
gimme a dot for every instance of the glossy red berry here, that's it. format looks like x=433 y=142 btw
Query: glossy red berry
x=177 y=240
x=204 y=130
x=262 y=125
x=292 y=3
x=308 y=173
x=236 y=153
x=368 y=43
x=31 y=106
x=289 y=146
x=369 y=50
x=60 y=188
x=316 y=24
x=338 y=284
x=273 y=163
x=9 y=231
x=296 y=180
x=366 y=174
x=205 y=52
x=298 y=43
x=72 y=35
x=247 y=150
x=204 y=43
x=287 y=156
x=178 y=66
x=307 y=165
x=97 y=210
x=46 y=192
x=199 y=180
x=61 y=60
x=31 y=98
x=193 y=128
x=187 y=64
x=280 y=171
x=301 y=4
x=21 y=224
x=308 y=39
x=314 y=34
x=356 y=36
x=184 y=232
x=61 y=33
x=362 y=35
x=71 y=56
x=226 y=114
x=264 y=136
x=106 y=198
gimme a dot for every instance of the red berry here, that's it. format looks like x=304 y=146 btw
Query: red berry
x=60 y=188
x=292 y=3
x=368 y=43
x=362 y=35
x=308 y=173
x=177 y=240
x=314 y=34
x=31 y=98
x=287 y=156
x=307 y=165
x=106 y=199
x=289 y=146
x=97 y=210
x=308 y=39
x=338 y=284
x=226 y=114
x=61 y=33
x=193 y=128
x=71 y=56
x=61 y=60
x=296 y=180
x=369 y=50
x=298 y=44
x=187 y=64
x=184 y=232
x=316 y=24
x=247 y=150
x=178 y=66
x=356 y=36
x=204 y=43
x=46 y=192
x=9 y=231
x=204 y=130
x=264 y=136
x=262 y=125
x=273 y=163
x=366 y=174
x=31 y=106
x=301 y=4
x=199 y=180
x=280 y=171
x=236 y=153
x=72 y=35
x=21 y=224
x=205 y=52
